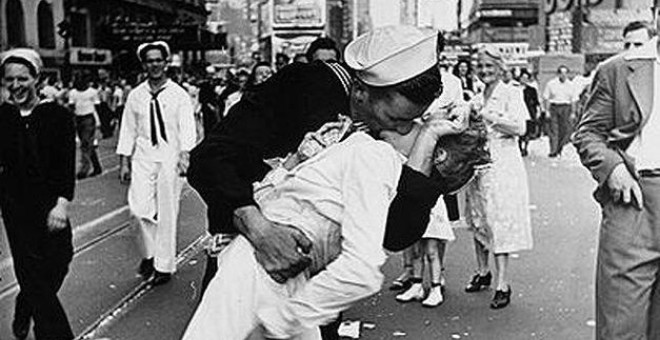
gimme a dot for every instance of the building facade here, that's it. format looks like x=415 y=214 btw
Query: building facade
x=87 y=34
x=592 y=27
x=33 y=23
x=505 y=21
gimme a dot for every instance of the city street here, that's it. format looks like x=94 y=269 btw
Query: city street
x=552 y=285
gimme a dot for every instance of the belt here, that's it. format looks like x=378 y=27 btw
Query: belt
x=649 y=173
x=561 y=104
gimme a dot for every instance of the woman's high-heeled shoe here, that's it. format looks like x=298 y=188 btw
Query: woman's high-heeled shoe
x=478 y=282
x=501 y=299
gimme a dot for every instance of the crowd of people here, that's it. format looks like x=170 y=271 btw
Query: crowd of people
x=314 y=170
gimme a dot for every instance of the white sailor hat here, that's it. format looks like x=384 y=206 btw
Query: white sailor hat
x=157 y=45
x=26 y=56
x=392 y=54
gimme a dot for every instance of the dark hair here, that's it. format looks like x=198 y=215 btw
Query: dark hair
x=561 y=67
x=462 y=61
x=252 y=77
x=422 y=89
x=322 y=43
x=636 y=25
x=163 y=51
x=465 y=151
x=525 y=72
x=18 y=60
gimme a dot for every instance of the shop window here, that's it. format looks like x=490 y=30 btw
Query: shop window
x=45 y=25
x=15 y=23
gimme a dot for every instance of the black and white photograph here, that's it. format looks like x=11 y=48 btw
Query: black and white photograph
x=329 y=169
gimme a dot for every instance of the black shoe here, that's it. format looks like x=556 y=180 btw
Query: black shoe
x=95 y=173
x=478 y=282
x=501 y=299
x=146 y=268
x=81 y=175
x=21 y=327
x=401 y=285
x=160 y=278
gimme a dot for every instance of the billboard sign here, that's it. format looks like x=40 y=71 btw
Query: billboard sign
x=298 y=13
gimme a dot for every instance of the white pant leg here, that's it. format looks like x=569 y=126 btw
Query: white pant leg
x=142 y=202
x=229 y=307
x=168 y=196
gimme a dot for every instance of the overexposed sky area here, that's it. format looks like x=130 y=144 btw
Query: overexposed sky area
x=437 y=13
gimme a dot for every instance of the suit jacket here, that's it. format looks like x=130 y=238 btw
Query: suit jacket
x=618 y=106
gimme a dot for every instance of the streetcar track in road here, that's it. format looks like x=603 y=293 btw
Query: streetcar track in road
x=11 y=288
x=121 y=308
x=182 y=257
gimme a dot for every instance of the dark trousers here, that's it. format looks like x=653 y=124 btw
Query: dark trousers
x=106 y=117
x=451 y=203
x=41 y=262
x=86 y=128
x=628 y=268
x=328 y=332
x=560 y=127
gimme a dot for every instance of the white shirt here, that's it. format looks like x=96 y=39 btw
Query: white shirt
x=84 y=101
x=351 y=184
x=231 y=100
x=49 y=93
x=135 y=131
x=557 y=92
x=452 y=93
x=118 y=97
x=644 y=147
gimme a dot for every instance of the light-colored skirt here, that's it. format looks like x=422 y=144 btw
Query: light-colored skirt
x=497 y=201
x=439 y=226
x=241 y=287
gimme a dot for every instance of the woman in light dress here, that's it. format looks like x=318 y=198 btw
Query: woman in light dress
x=497 y=205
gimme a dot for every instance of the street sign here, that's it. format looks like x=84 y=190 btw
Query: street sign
x=298 y=13
x=89 y=56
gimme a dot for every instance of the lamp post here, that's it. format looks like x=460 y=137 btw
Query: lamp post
x=578 y=15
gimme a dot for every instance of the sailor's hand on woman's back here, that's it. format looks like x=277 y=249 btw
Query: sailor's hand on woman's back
x=281 y=250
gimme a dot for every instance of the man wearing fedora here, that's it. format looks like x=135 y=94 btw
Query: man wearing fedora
x=617 y=139
x=156 y=134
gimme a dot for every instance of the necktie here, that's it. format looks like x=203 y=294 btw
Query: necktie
x=155 y=113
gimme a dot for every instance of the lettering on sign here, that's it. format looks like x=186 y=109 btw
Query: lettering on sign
x=495 y=13
x=292 y=13
x=89 y=56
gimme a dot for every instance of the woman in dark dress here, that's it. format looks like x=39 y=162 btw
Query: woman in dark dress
x=37 y=167
x=463 y=71
x=531 y=97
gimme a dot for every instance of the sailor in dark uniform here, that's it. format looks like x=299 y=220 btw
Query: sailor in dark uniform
x=37 y=166
x=270 y=122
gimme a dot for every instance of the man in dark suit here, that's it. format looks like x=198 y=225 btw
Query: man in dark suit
x=617 y=139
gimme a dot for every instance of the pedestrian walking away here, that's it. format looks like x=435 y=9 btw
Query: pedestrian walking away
x=84 y=101
x=157 y=132
x=37 y=166
x=559 y=98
